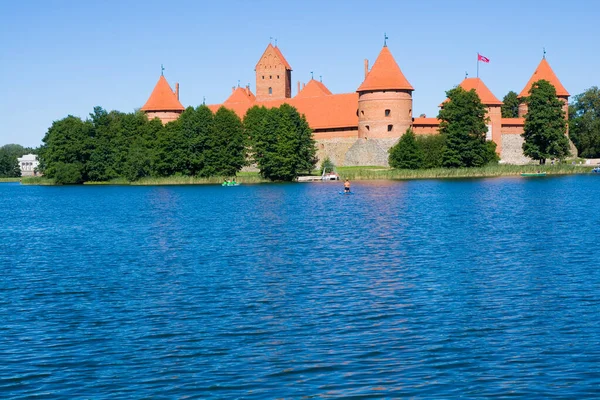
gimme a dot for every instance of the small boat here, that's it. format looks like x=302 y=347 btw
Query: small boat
x=230 y=184
x=533 y=174
x=596 y=170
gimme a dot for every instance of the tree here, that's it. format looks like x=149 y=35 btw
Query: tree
x=254 y=122
x=463 y=122
x=9 y=165
x=68 y=141
x=406 y=154
x=226 y=150
x=545 y=126
x=433 y=147
x=286 y=146
x=584 y=123
x=510 y=105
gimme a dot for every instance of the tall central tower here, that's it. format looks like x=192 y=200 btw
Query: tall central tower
x=273 y=76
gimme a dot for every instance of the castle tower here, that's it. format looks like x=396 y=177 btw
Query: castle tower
x=163 y=103
x=384 y=100
x=493 y=106
x=544 y=71
x=273 y=76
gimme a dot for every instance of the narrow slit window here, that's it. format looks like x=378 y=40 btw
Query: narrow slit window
x=387 y=113
x=390 y=128
x=270 y=91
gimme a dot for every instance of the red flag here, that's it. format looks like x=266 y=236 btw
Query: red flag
x=482 y=58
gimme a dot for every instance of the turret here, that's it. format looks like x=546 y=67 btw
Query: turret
x=273 y=75
x=545 y=72
x=163 y=102
x=384 y=99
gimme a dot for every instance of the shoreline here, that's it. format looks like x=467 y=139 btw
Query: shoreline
x=351 y=173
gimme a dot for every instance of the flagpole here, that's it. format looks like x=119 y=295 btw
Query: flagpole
x=478 y=65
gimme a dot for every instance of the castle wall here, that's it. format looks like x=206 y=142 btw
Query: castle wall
x=164 y=116
x=512 y=149
x=426 y=129
x=334 y=133
x=374 y=122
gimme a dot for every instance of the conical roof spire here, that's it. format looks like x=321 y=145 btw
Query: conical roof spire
x=544 y=71
x=162 y=98
x=385 y=74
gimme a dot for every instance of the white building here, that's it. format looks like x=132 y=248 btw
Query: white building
x=28 y=164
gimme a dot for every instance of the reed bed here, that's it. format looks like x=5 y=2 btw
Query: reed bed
x=366 y=173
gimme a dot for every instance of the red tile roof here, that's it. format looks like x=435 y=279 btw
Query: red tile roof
x=323 y=112
x=241 y=95
x=385 y=74
x=162 y=98
x=278 y=54
x=313 y=89
x=485 y=95
x=544 y=71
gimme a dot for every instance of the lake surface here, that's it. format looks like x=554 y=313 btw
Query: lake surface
x=427 y=289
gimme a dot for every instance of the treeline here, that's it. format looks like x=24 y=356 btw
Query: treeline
x=200 y=143
x=463 y=127
x=9 y=165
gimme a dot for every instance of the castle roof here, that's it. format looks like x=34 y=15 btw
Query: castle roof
x=485 y=95
x=385 y=74
x=162 y=98
x=544 y=71
x=241 y=95
x=278 y=54
x=313 y=89
x=322 y=112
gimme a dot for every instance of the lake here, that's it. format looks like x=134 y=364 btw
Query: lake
x=427 y=289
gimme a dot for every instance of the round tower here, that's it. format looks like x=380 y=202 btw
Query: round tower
x=384 y=100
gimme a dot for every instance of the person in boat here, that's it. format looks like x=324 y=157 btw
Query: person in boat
x=233 y=182
x=347 y=186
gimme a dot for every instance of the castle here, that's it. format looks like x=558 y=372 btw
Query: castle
x=358 y=128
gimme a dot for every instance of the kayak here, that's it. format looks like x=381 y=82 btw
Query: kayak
x=533 y=174
x=346 y=192
x=230 y=184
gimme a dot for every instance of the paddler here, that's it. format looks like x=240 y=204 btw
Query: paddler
x=347 y=186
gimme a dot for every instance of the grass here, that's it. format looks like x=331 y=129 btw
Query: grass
x=353 y=173
x=366 y=173
x=36 y=180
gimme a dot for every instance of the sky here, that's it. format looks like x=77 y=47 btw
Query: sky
x=60 y=57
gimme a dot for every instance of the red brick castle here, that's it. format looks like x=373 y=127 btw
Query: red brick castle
x=358 y=128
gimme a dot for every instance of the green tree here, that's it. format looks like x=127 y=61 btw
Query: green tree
x=9 y=165
x=545 y=125
x=286 y=146
x=510 y=105
x=327 y=166
x=68 y=141
x=406 y=154
x=584 y=122
x=226 y=151
x=463 y=122
x=254 y=127
x=67 y=173
x=433 y=147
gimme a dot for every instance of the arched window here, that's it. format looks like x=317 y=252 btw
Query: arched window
x=270 y=91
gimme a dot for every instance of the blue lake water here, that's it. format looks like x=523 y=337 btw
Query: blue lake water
x=427 y=289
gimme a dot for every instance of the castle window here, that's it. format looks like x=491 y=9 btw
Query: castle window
x=362 y=113
x=263 y=77
x=270 y=76
x=390 y=127
x=368 y=127
x=277 y=76
x=409 y=112
x=387 y=113
x=357 y=112
x=270 y=91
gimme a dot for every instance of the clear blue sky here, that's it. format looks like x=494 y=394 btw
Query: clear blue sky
x=63 y=57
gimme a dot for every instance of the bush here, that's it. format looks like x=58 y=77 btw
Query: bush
x=432 y=147
x=66 y=174
x=406 y=154
x=327 y=166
